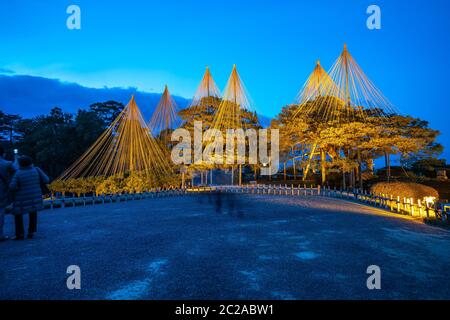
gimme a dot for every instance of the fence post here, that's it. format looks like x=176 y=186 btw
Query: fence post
x=446 y=212
x=419 y=204
x=427 y=208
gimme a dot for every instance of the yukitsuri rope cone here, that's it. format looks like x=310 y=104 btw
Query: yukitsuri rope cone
x=125 y=147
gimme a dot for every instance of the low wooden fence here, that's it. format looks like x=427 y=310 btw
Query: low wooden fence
x=406 y=206
x=67 y=202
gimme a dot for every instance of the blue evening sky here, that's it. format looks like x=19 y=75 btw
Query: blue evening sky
x=146 y=44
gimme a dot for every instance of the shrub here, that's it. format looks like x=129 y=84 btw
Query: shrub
x=111 y=185
x=404 y=190
x=135 y=182
x=57 y=186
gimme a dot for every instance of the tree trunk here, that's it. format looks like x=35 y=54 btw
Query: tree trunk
x=305 y=171
x=344 y=186
x=293 y=166
x=370 y=165
x=323 y=170
x=240 y=174
x=351 y=177
x=182 y=180
x=360 y=178
x=284 y=170
x=387 y=158
x=232 y=175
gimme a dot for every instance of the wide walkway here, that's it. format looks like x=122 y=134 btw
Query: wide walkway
x=226 y=247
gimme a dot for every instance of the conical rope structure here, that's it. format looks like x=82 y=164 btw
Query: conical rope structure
x=125 y=147
x=317 y=84
x=204 y=104
x=235 y=102
x=165 y=115
x=206 y=89
x=234 y=112
x=347 y=94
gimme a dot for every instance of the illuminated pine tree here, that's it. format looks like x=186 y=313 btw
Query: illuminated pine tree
x=235 y=110
x=347 y=94
x=126 y=147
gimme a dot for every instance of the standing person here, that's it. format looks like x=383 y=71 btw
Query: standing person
x=7 y=169
x=26 y=187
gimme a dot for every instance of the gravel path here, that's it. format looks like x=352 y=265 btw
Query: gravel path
x=227 y=247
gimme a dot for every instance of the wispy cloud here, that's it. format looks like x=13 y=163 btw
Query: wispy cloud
x=6 y=71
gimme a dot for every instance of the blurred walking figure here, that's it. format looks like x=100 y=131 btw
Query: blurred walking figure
x=27 y=187
x=7 y=170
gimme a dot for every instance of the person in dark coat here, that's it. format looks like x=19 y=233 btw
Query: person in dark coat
x=7 y=169
x=27 y=195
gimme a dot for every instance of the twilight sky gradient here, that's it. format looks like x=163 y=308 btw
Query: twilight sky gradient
x=146 y=44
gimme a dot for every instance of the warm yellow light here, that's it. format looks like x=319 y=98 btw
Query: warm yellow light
x=345 y=93
x=429 y=201
x=165 y=115
x=126 y=147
